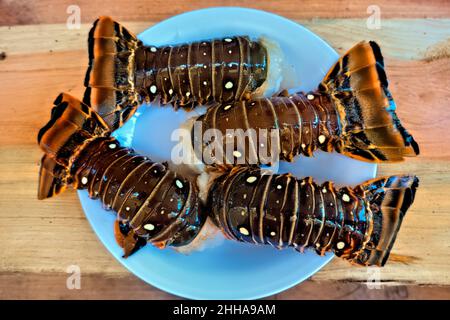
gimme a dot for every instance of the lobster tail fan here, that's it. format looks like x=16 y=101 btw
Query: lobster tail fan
x=370 y=128
x=110 y=76
x=72 y=123
x=389 y=199
x=53 y=178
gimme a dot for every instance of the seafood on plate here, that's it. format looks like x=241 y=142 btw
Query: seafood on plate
x=153 y=204
x=352 y=112
x=123 y=72
x=358 y=224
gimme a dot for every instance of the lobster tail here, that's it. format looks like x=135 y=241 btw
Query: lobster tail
x=389 y=198
x=370 y=128
x=110 y=76
x=71 y=125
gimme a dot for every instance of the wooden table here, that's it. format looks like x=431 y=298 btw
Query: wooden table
x=40 y=57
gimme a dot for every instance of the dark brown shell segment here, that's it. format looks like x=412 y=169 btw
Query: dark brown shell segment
x=154 y=202
x=300 y=124
x=219 y=70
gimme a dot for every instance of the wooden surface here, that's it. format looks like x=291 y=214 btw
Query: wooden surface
x=40 y=57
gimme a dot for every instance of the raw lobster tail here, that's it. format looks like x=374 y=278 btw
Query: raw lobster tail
x=123 y=72
x=111 y=72
x=358 y=88
x=358 y=224
x=153 y=203
x=352 y=112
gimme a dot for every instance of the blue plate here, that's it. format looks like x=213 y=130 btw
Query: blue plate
x=230 y=270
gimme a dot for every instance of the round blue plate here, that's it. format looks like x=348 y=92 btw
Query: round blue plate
x=230 y=270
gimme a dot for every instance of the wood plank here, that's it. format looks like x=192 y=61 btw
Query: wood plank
x=320 y=290
x=99 y=286
x=93 y=286
x=50 y=11
x=399 y=38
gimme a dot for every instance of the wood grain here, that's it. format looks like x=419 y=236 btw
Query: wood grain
x=99 y=286
x=400 y=38
x=48 y=11
x=47 y=236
